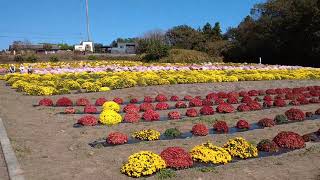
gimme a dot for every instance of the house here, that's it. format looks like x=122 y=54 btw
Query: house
x=84 y=46
x=31 y=48
x=124 y=48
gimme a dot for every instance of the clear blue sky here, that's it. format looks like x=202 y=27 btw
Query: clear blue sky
x=57 y=21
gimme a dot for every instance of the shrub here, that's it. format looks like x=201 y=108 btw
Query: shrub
x=131 y=108
x=206 y=110
x=18 y=58
x=181 y=104
x=132 y=117
x=195 y=102
x=281 y=119
x=82 y=102
x=225 y=108
x=53 y=58
x=146 y=106
x=221 y=127
x=151 y=115
x=64 y=101
x=116 y=138
x=172 y=133
x=188 y=56
x=143 y=163
x=111 y=105
x=90 y=109
x=239 y=147
x=295 y=114
x=162 y=106
x=266 y=122
x=88 y=120
x=289 y=140
x=208 y=153
x=243 y=124
x=45 y=102
x=32 y=58
x=200 y=130
x=92 y=57
x=177 y=158
x=174 y=115
x=100 y=101
x=267 y=145
x=110 y=117
x=166 y=174
x=153 y=49
x=192 y=113
x=147 y=135
x=161 y=98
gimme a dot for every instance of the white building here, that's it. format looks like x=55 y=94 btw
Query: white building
x=84 y=46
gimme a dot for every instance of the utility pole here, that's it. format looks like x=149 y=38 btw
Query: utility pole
x=87 y=15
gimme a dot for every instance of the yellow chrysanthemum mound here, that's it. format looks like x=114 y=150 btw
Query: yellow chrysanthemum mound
x=239 y=147
x=110 y=117
x=147 y=135
x=111 y=105
x=208 y=153
x=143 y=163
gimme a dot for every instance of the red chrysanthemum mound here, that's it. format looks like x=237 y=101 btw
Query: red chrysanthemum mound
x=314 y=100
x=82 y=102
x=295 y=114
x=192 y=113
x=132 y=117
x=161 y=98
x=262 y=92
x=88 y=120
x=200 y=130
x=293 y=96
x=280 y=96
x=174 y=98
x=267 y=104
x=271 y=91
x=195 y=102
x=246 y=99
x=233 y=94
x=174 y=115
x=221 y=127
x=317 y=112
x=219 y=101
x=70 y=110
x=266 y=122
x=64 y=101
x=254 y=105
x=45 y=102
x=134 y=100
x=222 y=95
x=232 y=100
x=309 y=114
x=118 y=100
x=177 y=158
x=253 y=93
x=90 y=109
x=187 y=98
x=243 y=93
x=207 y=102
x=100 y=101
x=206 y=110
x=267 y=145
x=146 y=106
x=289 y=140
x=279 y=103
x=181 y=104
x=243 y=108
x=213 y=96
x=225 y=108
x=151 y=115
x=303 y=101
x=131 y=108
x=267 y=98
x=242 y=124
x=117 y=138
x=148 y=99
x=162 y=106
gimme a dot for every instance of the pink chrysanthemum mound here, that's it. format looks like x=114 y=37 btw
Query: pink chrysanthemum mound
x=148 y=99
x=117 y=138
x=151 y=115
x=132 y=117
x=174 y=98
x=162 y=106
x=161 y=98
x=82 y=102
x=90 y=109
x=100 y=101
x=146 y=106
x=243 y=124
x=131 y=108
x=225 y=108
x=64 y=101
x=181 y=104
x=206 y=110
x=192 y=113
x=195 y=102
x=118 y=100
x=174 y=115
x=200 y=130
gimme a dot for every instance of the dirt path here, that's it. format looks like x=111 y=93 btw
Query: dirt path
x=3 y=167
x=48 y=147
